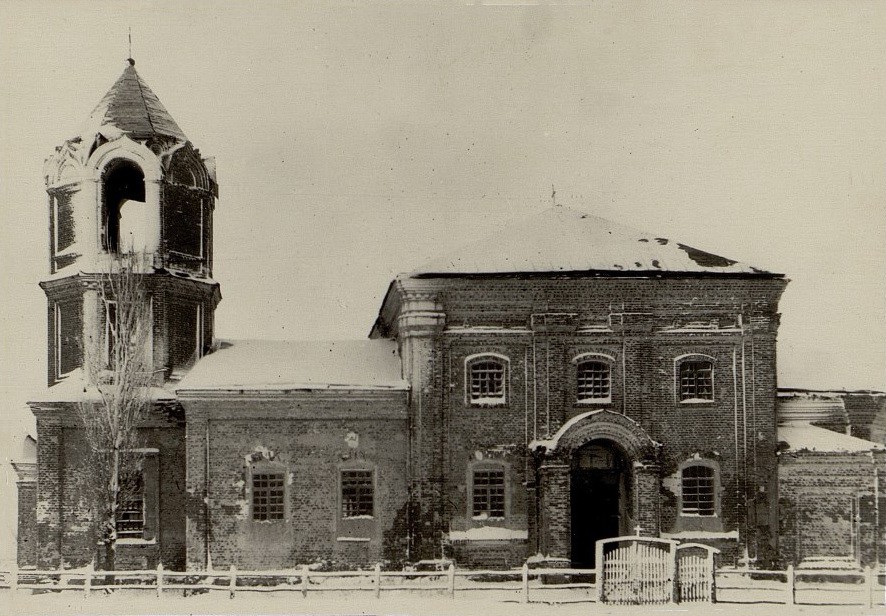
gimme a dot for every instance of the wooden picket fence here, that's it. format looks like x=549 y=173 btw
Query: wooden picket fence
x=549 y=585
x=794 y=586
x=520 y=584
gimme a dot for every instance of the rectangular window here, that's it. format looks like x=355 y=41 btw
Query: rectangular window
x=696 y=380
x=489 y=494
x=698 y=491
x=487 y=381
x=357 y=492
x=131 y=510
x=267 y=496
x=593 y=381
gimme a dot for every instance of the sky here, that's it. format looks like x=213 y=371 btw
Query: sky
x=355 y=141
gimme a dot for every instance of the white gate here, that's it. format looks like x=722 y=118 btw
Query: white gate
x=636 y=570
x=695 y=572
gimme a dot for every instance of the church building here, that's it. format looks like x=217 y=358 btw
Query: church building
x=565 y=381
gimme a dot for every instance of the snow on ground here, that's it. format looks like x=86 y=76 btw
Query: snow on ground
x=417 y=604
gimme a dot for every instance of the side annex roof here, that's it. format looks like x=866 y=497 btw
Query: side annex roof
x=261 y=365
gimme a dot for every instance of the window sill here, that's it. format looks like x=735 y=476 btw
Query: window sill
x=593 y=401
x=697 y=401
x=135 y=541
x=701 y=534
x=487 y=402
x=353 y=539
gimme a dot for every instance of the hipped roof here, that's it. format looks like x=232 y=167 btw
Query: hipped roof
x=133 y=108
x=561 y=239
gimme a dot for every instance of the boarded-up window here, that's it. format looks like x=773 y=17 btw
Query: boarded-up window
x=185 y=333
x=64 y=221
x=67 y=329
x=184 y=220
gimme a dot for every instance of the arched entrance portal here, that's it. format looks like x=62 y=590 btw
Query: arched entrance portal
x=600 y=497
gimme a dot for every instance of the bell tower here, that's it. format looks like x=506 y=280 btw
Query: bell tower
x=130 y=186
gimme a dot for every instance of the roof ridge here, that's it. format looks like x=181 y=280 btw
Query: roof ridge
x=141 y=92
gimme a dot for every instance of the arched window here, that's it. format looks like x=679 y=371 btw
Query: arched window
x=486 y=379
x=695 y=378
x=122 y=181
x=593 y=378
x=698 y=490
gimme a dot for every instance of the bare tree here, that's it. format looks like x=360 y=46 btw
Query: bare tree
x=120 y=369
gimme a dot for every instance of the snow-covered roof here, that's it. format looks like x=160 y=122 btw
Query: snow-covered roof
x=285 y=365
x=74 y=388
x=820 y=408
x=803 y=436
x=131 y=107
x=561 y=239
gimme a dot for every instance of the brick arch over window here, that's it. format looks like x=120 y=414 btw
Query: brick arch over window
x=595 y=425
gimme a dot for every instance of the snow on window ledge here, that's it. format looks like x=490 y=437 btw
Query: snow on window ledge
x=588 y=401
x=489 y=533
x=698 y=401
x=358 y=517
x=136 y=541
x=701 y=534
x=354 y=539
x=498 y=401
x=485 y=516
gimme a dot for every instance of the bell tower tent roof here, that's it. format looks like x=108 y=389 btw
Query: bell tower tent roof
x=133 y=108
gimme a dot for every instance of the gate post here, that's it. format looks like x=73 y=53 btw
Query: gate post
x=599 y=576
x=672 y=565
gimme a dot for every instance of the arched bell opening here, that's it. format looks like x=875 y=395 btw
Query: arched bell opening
x=123 y=196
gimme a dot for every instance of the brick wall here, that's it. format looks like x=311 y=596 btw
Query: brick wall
x=310 y=438
x=541 y=325
x=827 y=506
x=65 y=530
x=27 y=524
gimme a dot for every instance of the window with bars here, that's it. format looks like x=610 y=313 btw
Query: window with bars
x=698 y=491
x=696 y=380
x=131 y=509
x=489 y=494
x=486 y=380
x=593 y=381
x=357 y=493
x=268 y=490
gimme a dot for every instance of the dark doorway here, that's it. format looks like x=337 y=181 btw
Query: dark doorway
x=599 y=497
